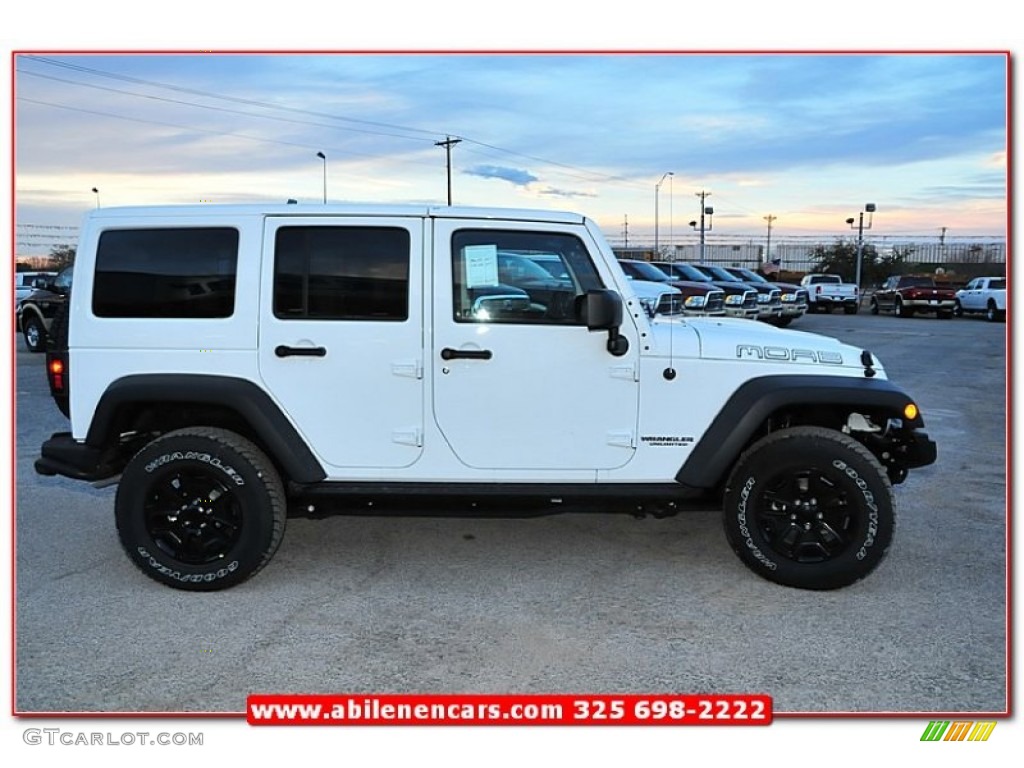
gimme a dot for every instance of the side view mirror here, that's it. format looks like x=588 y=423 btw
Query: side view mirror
x=601 y=310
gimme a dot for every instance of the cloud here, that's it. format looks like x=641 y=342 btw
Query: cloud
x=514 y=176
x=553 y=192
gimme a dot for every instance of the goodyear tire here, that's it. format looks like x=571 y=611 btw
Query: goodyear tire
x=200 y=509
x=809 y=507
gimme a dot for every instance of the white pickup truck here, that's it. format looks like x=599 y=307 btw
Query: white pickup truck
x=825 y=292
x=983 y=294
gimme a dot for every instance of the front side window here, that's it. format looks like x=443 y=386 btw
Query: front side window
x=341 y=273
x=180 y=272
x=508 y=276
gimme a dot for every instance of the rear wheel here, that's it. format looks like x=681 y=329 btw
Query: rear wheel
x=902 y=311
x=958 y=310
x=874 y=307
x=34 y=331
x=850 y=309
x=809 y=507
x=992 y=313
x=200 y=509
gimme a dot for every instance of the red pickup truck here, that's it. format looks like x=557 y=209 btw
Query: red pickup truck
x=907 y=295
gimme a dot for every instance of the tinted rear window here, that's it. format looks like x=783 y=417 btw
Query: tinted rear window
x=342 y=273
x=166 y=272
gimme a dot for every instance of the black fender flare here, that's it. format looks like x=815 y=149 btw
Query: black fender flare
x=244 y=397
x=754 y=401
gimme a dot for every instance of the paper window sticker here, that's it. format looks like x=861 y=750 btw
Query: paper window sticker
x=481 y=265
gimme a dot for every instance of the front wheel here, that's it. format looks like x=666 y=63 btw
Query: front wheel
x=809 y=507
x=200 y=509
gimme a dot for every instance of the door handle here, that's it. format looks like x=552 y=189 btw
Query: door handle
x=285 y=351
x=466 y=354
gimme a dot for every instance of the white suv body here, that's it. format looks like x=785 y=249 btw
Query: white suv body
x=395 y=351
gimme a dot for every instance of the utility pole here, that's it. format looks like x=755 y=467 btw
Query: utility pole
x=448 y=143
x=768 y=247
x=625 y=230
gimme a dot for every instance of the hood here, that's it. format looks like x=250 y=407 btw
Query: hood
x=647 y=289
x=749 y=342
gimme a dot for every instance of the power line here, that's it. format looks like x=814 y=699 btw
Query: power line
x=223 y=97
x=180 y=127
x=225 y=110
x=583 y=173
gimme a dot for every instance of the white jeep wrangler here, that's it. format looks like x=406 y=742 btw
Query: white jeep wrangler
x=231 y=365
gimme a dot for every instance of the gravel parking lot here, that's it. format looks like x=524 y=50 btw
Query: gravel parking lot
x=570 y=603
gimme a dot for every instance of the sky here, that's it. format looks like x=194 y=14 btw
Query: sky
x=629 y=139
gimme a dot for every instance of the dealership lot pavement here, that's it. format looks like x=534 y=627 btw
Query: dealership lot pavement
x=570 y=603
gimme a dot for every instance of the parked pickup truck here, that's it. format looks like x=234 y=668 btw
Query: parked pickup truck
x=982 y=294
x=825 y=292
x=908 y=294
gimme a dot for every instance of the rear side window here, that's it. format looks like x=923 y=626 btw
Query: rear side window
x=342 y=273
x=166 y=273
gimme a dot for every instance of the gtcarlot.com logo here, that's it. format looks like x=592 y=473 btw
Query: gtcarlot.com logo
x=59 y=736
x=958 y=730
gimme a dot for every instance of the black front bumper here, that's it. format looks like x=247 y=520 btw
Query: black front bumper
x=915 y=449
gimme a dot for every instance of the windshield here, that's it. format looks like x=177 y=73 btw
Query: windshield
x=686 y=272
x=641 y=270
x=719 y=274
x=748 y=275
x=514 y=269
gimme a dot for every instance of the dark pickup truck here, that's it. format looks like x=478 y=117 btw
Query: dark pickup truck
x=907 y=295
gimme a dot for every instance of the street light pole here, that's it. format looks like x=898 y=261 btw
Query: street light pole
x=657 y=189
x=869 y=208
x=768 y=246
x=703 y=210
x=323 y=157
x=96 y=192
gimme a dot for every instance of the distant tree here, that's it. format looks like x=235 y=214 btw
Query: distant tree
x=62 y=256
x=840 y=258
